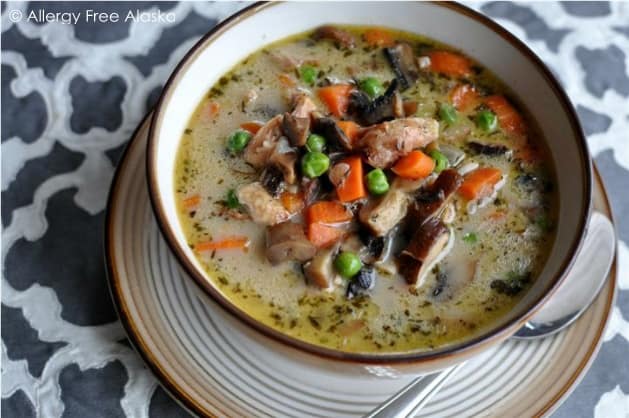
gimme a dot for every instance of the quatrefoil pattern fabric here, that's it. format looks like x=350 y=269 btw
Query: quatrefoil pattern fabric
x=72 y=94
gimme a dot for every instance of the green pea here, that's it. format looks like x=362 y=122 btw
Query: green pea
x=448 y=113
x=315 y=143
x=313 y=164
x=487 y=121
x=232 y=199
x=441 y=161
x=371 y=86
x=470 y=238
x=308 y=74
x=347 y=264
x=377 y=182
x=238 y=141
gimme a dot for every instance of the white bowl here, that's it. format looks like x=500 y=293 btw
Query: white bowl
x=508 y=58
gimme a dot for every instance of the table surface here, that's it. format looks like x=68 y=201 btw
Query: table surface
x=72 y=94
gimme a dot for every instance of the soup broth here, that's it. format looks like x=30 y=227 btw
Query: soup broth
x=433 y=249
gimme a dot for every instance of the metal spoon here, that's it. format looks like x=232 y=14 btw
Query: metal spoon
x=584 y=281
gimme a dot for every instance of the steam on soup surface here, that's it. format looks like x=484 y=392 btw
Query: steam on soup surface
x=367 y=190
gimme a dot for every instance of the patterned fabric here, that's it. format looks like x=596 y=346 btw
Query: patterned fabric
x=72 y=94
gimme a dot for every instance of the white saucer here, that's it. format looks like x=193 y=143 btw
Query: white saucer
x=214 y=366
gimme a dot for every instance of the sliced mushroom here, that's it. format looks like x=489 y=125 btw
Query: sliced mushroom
x=383 y=214
x=377 y=249
x=259 y=149
x=452 y=279
x=262 y=207
x=431 y=201
x=384 y=143
x=296 y=129
x=330 y=130
x=303 y=106
x=287 y=241
x=284 y=157
x=430 y=243
x=338 y=173
x=412 y=185
x=489 y=149
x=448 y=214
x=296 y=124
x=272 y=180
x=404 y=64
x=320 y=270
x=385 y=107
x=337 y=35
x=311 y=188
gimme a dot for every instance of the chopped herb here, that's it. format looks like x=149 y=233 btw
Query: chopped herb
x=470 y=238
x=314 y=322
x=513 y=284
x=232 y=201
x=308 y=74
x=544 y=223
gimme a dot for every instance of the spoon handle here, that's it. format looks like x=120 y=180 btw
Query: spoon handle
x=414 y=395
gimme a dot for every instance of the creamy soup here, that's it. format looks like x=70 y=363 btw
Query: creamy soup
x=366 y=190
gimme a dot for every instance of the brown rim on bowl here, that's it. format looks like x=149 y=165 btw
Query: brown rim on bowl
x=467 y=347
x=169 y=383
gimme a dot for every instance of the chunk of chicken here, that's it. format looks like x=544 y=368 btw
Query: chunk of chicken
x=261 y=205
x=384 y=143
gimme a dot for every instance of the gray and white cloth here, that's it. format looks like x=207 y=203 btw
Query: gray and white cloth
x=73 y=91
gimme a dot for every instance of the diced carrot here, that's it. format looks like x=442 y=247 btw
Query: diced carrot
x=336 y=98
x=414 y=165
x=527 y=153
x=508 y=118
x=350 y=128
x=212 y=109
x=235 y=242
x=350 y=327
x=286 y=80
x=292 y=202
x=327 y=212
x=498 y=215
x=251 y=127
x=464 y=97
x=322 y=235
x=353 y=186
x=449 y=63
x=479 y=183
x=191 y=202
x=321 y=217
x=410 y=107
x=378 y=37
